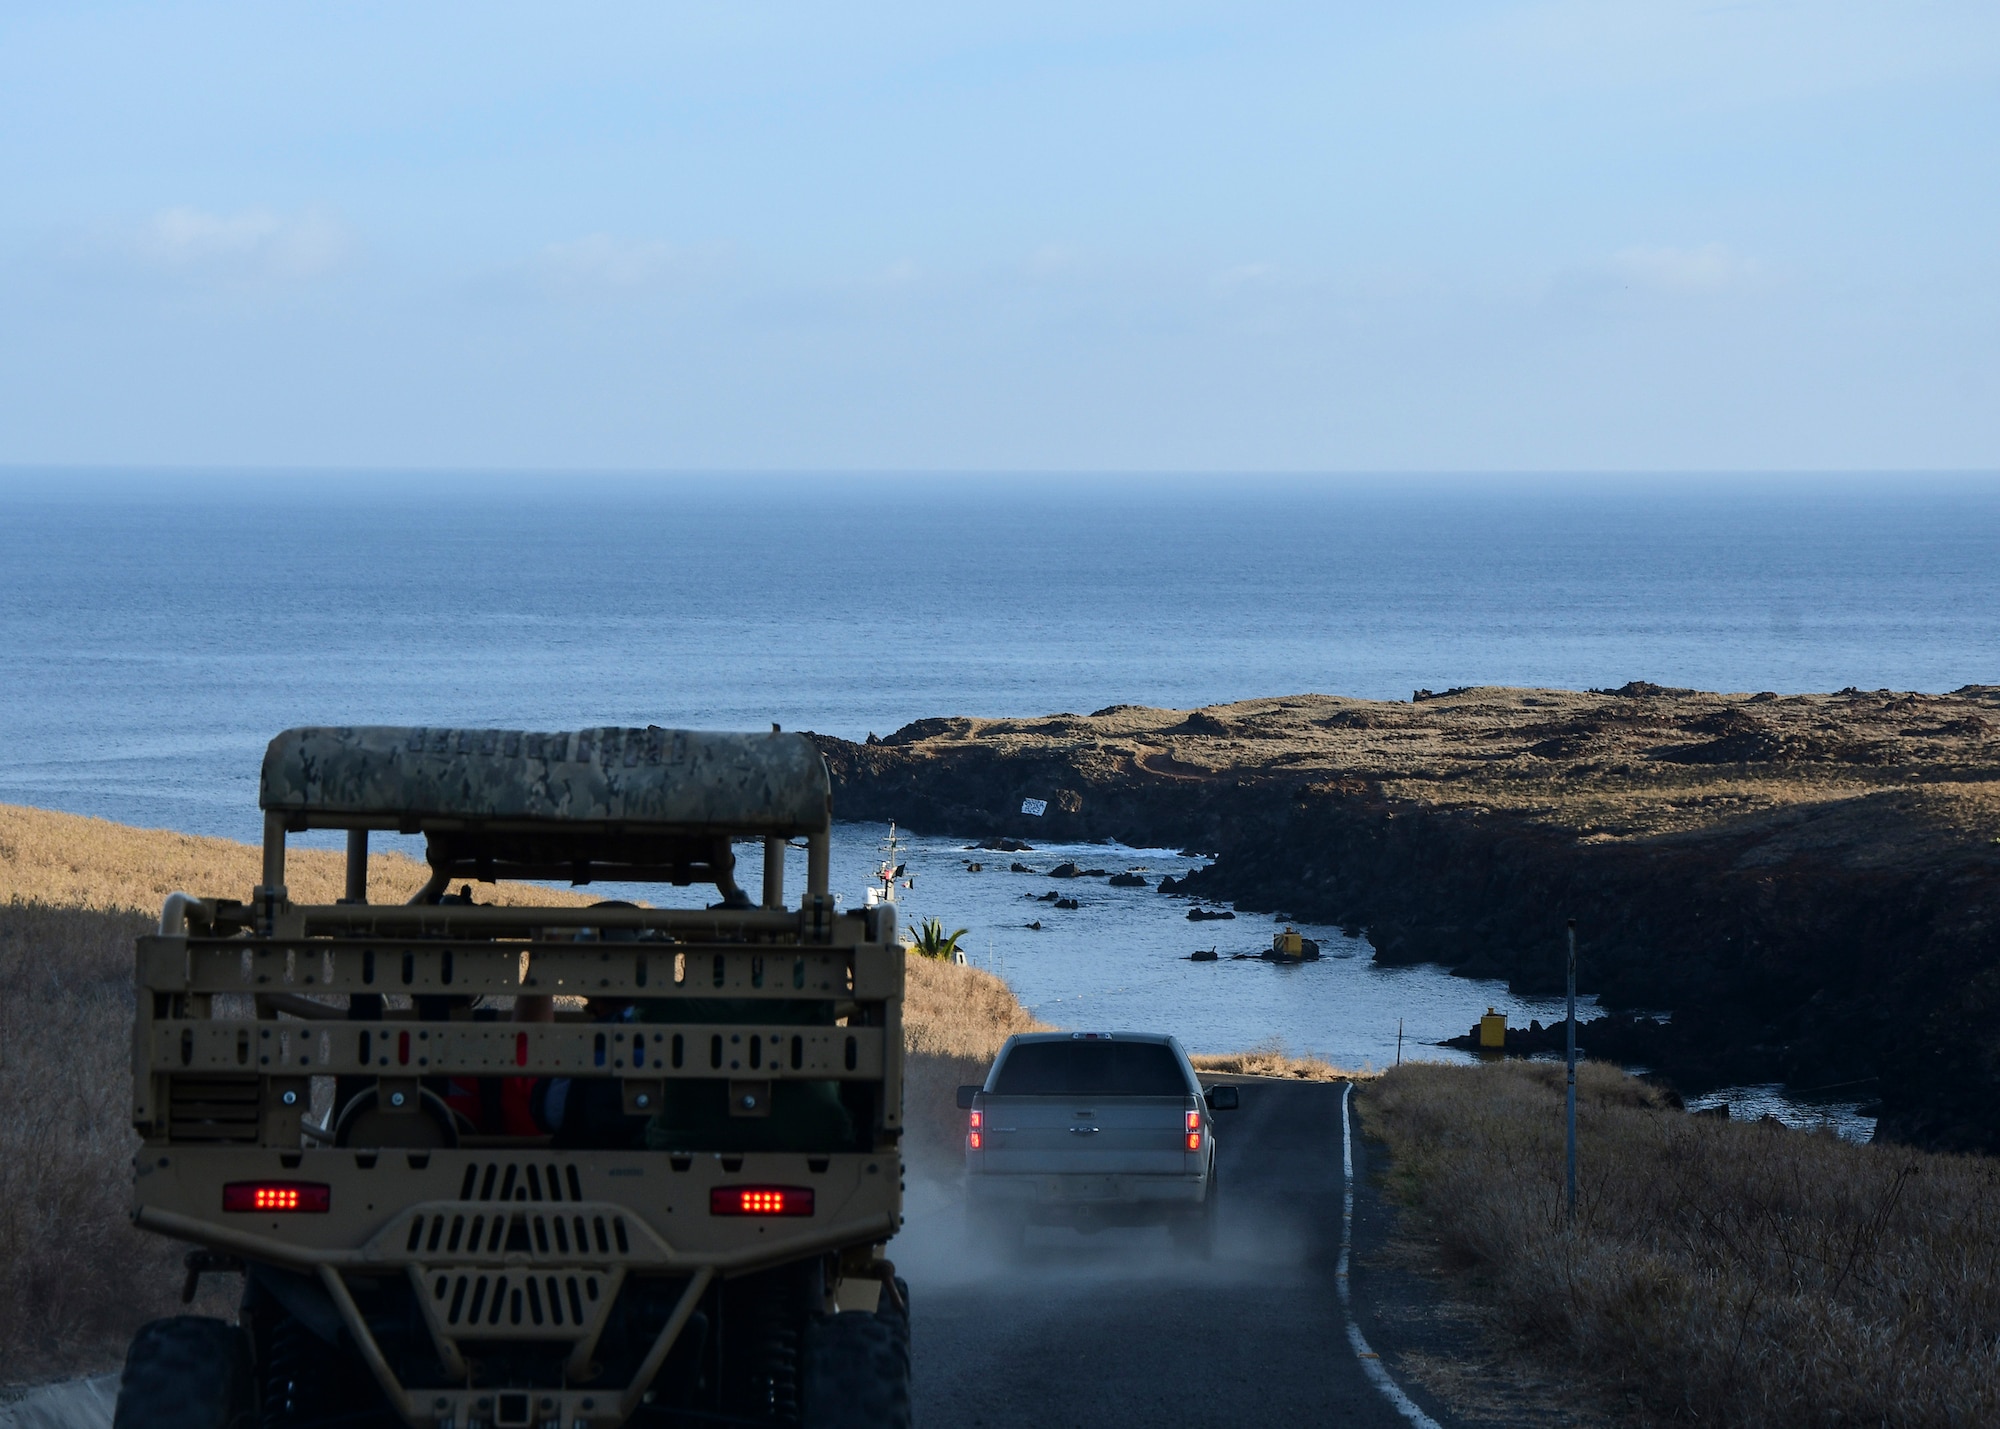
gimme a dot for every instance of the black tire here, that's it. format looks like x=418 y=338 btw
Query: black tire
x=857 y=1372
x=190 y=1372
x=897 y=1319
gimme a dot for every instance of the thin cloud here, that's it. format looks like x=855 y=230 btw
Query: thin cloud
x=1711 y=268
x=255 y=245
x=605 y=263
x=600 y=260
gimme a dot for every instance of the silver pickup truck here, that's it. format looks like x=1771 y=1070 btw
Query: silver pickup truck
x=1092 y=1129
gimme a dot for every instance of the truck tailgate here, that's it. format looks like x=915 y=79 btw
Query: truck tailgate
x=1085 y=1136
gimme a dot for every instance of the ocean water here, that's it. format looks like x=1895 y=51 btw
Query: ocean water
x=1119 y=959
x=157 y=628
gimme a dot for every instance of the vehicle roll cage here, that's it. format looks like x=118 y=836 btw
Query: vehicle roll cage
x=611 y=804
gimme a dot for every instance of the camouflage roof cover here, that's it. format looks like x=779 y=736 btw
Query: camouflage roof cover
x=688 y=779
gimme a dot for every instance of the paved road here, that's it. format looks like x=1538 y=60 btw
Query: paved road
x=1114 y=1329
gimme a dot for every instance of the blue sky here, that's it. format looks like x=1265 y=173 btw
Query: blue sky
x=1254 y=236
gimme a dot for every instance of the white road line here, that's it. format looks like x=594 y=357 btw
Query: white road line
x=1371 y=1363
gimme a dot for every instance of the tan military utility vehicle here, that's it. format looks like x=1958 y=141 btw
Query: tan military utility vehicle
x=553 y=1166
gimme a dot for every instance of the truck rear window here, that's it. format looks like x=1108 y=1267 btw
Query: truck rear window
x=1119 y=1069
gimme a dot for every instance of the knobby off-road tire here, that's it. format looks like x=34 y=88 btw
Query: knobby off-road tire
x=189 y=1372
x=857 y=1372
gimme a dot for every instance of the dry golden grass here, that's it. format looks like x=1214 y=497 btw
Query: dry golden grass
x=1272 y=1062
x=69 y=861
x=950 y=1010
x=75 y=1278
x=1903 y=777
x=954 y=1020
x=1728 y=1273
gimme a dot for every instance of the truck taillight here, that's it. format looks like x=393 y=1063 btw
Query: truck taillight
x=1194 y=1131
x=276 y=1196
x=975 y=1130
x=760 y=1201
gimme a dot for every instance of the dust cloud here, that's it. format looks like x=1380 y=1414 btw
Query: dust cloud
x=1255 y=1243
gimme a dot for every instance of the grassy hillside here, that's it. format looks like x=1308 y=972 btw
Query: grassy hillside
x=68 y=861
x=1724 y=1273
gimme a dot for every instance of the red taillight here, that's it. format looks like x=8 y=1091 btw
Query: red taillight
x=760 y=1201
x=276 y=1196
x=973 y=1135
x=1194 y=1131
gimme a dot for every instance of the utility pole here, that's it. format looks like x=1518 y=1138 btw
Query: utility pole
x=1399 y=1041
x=1571 y=1101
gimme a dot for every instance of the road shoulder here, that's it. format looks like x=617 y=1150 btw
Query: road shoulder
x=1442 y=1347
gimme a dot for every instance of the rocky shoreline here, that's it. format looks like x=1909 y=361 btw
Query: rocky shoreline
x=1808 y=884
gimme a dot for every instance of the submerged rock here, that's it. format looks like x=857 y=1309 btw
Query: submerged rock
x=1209 y=915
x=1128 y=880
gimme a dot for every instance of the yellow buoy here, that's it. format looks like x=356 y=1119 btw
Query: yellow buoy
x=1289 y=944
x=1493 y=1029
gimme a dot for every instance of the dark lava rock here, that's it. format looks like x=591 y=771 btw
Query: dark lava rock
x=1308 y=953
x=1091 y=873
x=1208 y=915
x=1050 y=897
x=1202 y=955
x=1005 y=846
x=1644 y=689
x=1170 y=884
x=1065 y=870
x=1036 y=925
x=1614 y=1037
x=1202 y=722
x=1020 y=868
x=923 y=729
x=1066 y=903
x=971 y=867
x=1128 y=880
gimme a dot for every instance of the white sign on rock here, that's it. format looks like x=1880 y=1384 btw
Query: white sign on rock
x=1037 y=807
